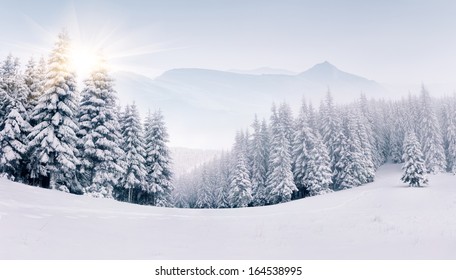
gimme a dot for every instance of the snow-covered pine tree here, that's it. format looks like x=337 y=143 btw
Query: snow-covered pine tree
x=330 y=130
x=397 y=130
x=279 y=184
x=430 y=135
x=53 y=139
x=134 y=176
x=414 y=165
x=303 y=140
x=100 y=139
x=33 y=78
x=371 y=131
x=14 y=127
x=241 y=187
x=449 y=130
x=158 y=161
x=287 y=123
x=317 y=179
x=223 y=186
x=360 y=135
x=344 y=173
x=11 y=86
x=259 y=161
x=205 y=189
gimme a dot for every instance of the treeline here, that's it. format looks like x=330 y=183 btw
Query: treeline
x=319 y=151
x=54 y=137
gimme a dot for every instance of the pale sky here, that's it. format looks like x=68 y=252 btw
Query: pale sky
x=387 y=41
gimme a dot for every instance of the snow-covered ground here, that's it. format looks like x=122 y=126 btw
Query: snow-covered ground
x=382 y=220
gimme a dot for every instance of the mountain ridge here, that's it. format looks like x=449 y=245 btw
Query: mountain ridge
x=204 y=108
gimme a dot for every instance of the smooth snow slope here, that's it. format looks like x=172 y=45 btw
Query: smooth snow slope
x=382 y=220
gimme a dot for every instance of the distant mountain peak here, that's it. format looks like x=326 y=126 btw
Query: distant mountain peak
x=323 y=68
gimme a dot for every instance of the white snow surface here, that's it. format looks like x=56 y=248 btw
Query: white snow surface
x=382 y=220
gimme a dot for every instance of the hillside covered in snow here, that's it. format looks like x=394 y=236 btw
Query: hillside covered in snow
x=381 y=220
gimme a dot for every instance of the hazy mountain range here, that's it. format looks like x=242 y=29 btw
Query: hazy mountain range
x=204 y=108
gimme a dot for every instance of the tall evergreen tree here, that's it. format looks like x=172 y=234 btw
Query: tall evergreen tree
x=414 y=165
x=330 y=129
x=13 y=141
x=449 y=129
x=303 y=139
x=241 y=187
x=53 y=139
x=259 y=163
x=158 y=161
x=133 y=146
x=346 y=164
x=33 y=78
x=279 y=184
x=100 y=139
x=430 y=135
x=318 y=175
x=206 y=189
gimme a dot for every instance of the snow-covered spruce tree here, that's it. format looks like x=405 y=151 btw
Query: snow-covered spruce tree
x=53 y=139
x=13 y=141
x=414 y=165
x=241 y=187
x=205 y=188
x=317 y=179
x=344 y=173
x=360 y=136
x=11 y=86
x=430 y=135
x=259 y=161
x=303 y=140
x=223 y=186
x=287 y=123
x=133 y=179
x=397 y=130
x=279 y=184
x=33 y=77
x=100 y=139
x=449 y=130
x=158 y=185
x=330 y=129
x=371 y=133
x=14 y=127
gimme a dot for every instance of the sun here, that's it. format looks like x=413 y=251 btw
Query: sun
x=83 y=60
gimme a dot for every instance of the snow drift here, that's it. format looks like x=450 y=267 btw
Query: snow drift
x=382 y=220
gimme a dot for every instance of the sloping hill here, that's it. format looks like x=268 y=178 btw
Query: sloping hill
x=382 y=220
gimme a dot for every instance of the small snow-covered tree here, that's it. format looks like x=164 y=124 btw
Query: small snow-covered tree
x=100 y=139
x=53 y=139
x=158 y=161
x=414 y=166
